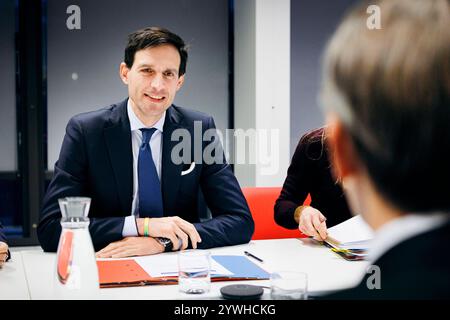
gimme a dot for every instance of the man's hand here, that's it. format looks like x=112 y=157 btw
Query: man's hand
x=131 y=246
x=312 y=223
x=3 y=253
x=173 y=228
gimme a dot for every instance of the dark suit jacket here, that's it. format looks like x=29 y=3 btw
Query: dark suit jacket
x=2 y=236
x=310 y=172
x=3 y=239
x=417 y=268
x=96 y=161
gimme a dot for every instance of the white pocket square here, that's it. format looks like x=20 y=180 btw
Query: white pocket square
x=188 y=170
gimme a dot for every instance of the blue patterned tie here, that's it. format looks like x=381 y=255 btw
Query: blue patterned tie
x=150 y=197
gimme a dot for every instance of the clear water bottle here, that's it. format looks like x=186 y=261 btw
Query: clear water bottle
x=76 y=274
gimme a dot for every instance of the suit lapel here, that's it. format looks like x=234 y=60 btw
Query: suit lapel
x=170 y=172
x=118 y=141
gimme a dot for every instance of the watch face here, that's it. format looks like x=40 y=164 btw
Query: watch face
x=166 y=242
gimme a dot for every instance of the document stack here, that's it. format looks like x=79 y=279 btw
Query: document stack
x=350 y=239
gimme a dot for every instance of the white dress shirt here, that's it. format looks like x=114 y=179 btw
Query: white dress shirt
x=129 y=227
x=401 y=229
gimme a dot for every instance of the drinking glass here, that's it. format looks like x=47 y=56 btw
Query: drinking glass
x=289 y=285
x=194 y=271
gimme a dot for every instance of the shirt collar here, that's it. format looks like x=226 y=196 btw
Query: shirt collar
x=136 y=124
x=402 y=228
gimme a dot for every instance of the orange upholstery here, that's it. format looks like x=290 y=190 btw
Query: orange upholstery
x=261 y=202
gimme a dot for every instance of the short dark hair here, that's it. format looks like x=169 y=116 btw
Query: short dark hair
x=152 y=37
x=391 y=90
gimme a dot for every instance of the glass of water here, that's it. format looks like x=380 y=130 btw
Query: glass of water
x=194 y=275
x=289 y=285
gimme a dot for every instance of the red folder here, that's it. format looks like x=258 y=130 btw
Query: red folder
x=125 y=273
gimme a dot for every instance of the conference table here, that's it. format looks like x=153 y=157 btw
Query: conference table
x=29 y=274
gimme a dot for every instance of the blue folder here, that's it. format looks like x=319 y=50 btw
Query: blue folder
x=241 y=267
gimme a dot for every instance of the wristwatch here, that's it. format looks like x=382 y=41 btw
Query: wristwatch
x=166 y=242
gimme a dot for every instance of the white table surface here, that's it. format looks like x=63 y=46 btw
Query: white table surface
x=13 y=282
x=30 y=273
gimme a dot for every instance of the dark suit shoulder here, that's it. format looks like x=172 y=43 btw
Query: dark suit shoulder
x=101 y=116
x=416 y=268
x=2 y=236
x=188 y=115
x=419 y=252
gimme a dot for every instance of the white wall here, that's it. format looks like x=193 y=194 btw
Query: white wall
x=8 y=157
x=262 y=88
x=312 y=24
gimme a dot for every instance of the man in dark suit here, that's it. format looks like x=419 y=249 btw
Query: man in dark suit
x=4 y=252
x=386 y=93
x=127 y=159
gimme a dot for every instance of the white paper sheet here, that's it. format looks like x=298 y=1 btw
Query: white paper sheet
x=163 y=265
x=352 y=231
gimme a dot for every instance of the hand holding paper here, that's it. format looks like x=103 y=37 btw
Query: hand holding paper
x=312 y=223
